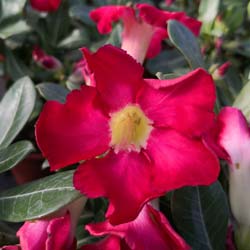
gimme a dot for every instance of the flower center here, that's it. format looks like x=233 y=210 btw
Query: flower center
x=130 y=129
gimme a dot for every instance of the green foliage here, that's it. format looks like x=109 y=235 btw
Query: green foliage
x=38 y=198
x=185 y=41
x=15 y=109
x=201 y=216
x=13 y=154
x=52 y=91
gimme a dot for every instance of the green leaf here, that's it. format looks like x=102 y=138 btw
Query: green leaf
x=201 y=216
x=14 y=66
x=115 y=36
x=167 y=62
x=10 y=8
x=52 y=91
x=38 y=198
x=15 y=109
x=186 y=43
x=58 y=23
x=13 y=154
x=80 y=12
x=242 y=101
x=13 y=29
x=77 y=38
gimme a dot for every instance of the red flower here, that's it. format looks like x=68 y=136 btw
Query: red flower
x=46 y=61
x=150 y=131
x=45 y=5
x=142 y=35
x=150 y=230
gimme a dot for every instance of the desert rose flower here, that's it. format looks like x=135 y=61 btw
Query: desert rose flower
x=45 y=5
x=46 y=61
x=150 y=230
x=149 y=131
x=142 y=35
x=231 y=140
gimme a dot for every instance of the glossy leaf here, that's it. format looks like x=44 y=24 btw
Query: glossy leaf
x=52 y=91
x=38 y=198
x=15 y=109
x=13 y=154
x=201 y=216
x=186 y=42
x=11 y=8
x=14 y=29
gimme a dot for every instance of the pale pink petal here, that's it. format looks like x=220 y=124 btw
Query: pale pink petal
x=137 y=37
x=118 y=76
x=74 y=131
x=234 y=135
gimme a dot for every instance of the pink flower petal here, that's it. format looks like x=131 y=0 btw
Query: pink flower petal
x=63 y=130
x=11 y=248
x=45 y=5
x=117 y=75
x=137 y=37
x=150 y=230
x=183 y=103
x=234 y=135
x=33 y=235
x=60 y=236
x=124 y=178
x=54 y=234
x=106 y=15
x=180 y=161
x=156 y=40
x=157 y=17
x=108 y=243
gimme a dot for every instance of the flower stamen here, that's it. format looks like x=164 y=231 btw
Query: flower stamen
x=130 y=129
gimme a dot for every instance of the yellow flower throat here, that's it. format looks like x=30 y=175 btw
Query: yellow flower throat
x=130 y=129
